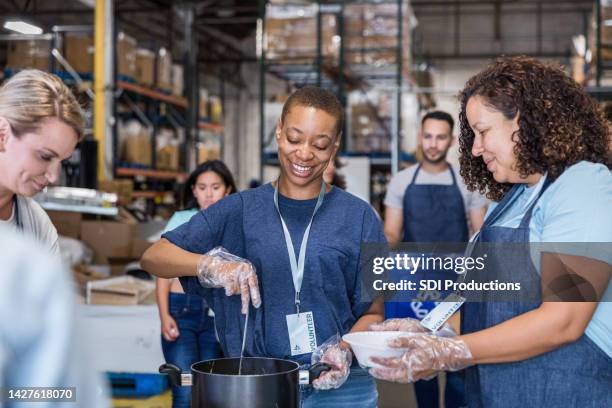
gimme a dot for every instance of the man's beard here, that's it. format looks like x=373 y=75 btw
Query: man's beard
x=439 y=160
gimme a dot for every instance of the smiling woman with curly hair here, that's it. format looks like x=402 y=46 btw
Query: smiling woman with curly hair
x=534 y=141
x=558 y=123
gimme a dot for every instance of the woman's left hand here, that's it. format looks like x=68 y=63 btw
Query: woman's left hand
x=424 y=357
x=339 y=357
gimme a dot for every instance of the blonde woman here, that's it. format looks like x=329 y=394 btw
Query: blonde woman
x=40 y=124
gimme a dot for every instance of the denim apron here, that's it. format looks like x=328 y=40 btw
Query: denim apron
x=432 y=213
x=574 y=375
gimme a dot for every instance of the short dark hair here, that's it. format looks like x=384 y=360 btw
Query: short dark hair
x=440 y=115
x=318 y=98
x=216 y=166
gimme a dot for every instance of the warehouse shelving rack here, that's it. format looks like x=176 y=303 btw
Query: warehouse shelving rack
x=598 y=91
x=150 y=106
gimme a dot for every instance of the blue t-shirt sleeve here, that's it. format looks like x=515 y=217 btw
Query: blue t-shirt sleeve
x=203 y=232
x=579 y=211
x=372 y=232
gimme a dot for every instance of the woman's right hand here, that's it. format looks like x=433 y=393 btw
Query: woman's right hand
x=169 y=328
x=220 y=269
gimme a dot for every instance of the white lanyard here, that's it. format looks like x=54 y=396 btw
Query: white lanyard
x=297 y=266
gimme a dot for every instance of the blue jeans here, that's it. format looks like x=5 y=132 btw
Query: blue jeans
x=454 y=394
x=197 y=340
x=358 y=391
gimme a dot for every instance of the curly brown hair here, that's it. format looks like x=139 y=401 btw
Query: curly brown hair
x=559 y=124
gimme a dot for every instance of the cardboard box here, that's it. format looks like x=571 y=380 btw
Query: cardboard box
x=29 y=54
x=108 y=239
x=168 y=157
x=126 y=55
x=67 y=223
x=79 y=52
x=138 y=148
x=123 y=290
x=178 y=80
x=208 y=151
x=145 y=67
x=82 y=274
x=164 y=70
x=296 y=37
x=123 y=188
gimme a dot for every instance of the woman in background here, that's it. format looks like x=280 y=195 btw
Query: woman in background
x=187 y=323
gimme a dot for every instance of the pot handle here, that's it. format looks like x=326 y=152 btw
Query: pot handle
x=175 y=376
x=308 y=376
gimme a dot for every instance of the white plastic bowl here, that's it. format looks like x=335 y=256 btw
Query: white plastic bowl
x=374 y=344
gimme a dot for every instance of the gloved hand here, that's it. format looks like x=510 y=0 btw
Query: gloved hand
x=411 y=325
x=425 y=356
x=220 y=269
x=339 y=357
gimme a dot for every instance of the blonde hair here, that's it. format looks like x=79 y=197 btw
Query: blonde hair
x=31 y=96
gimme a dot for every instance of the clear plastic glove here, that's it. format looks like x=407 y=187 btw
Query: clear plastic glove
x=220 y=269
x=411 y=325
x=169 y=328
x=425 y=355
x=339 y=357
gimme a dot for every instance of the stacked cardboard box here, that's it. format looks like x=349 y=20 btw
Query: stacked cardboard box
x=67 y=223
x=122 y=290
x=123 y=188
x=209 y=148
x=126 y=55
x=371 y=34
x=134 y=143
x=164 y=70
x=29 y=54
x=291 y=33
x=167 y=150
x=79 y=52
x=145 y=67
x=368 y=129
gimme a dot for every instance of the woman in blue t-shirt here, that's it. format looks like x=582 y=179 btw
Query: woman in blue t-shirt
x=535 y=142
x=187 y=323
x=299 y=242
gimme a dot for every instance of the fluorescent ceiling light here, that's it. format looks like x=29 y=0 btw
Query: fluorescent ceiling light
x=22 y=27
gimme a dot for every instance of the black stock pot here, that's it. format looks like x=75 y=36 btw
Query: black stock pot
x=263 y=383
